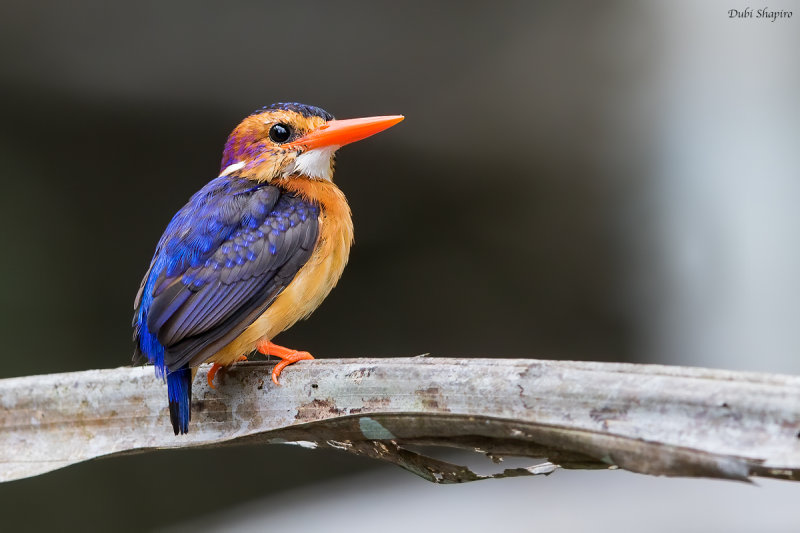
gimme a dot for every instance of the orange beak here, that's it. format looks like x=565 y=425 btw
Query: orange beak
x=341 y=132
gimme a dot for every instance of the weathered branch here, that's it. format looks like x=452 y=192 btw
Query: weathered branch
x=659 y=420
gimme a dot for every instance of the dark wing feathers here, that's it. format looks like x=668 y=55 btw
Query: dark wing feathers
x=228 y=254
x=165 y=303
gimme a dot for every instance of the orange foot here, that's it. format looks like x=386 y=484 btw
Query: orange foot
x=287 y=355
x=215 y=368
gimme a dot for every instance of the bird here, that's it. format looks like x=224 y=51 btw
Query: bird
x=256 y=249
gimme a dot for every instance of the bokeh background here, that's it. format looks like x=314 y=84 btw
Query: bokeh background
x=610 y=181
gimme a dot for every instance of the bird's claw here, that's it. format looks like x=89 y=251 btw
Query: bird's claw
x=287 y=356
x=215 y=368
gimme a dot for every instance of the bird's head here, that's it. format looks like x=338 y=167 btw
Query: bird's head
x=289 y=140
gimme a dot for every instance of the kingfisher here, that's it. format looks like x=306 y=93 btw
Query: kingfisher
x=255 y=250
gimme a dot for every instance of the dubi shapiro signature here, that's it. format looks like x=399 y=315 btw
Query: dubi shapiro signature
x=764 y=13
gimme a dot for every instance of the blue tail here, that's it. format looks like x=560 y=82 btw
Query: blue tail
x=179 y=389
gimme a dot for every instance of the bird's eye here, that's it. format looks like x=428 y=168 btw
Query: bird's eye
x=280 y=133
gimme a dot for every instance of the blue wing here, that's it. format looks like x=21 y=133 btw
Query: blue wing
x=221 y=262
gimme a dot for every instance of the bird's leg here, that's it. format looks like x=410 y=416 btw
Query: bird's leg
x=215 y=368
x=287 y=356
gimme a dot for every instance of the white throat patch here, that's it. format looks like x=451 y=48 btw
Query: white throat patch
x=316 y=163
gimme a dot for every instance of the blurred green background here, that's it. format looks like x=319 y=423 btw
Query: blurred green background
x=574 y=180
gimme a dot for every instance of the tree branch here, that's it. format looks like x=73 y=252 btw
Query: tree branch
x=660 y=420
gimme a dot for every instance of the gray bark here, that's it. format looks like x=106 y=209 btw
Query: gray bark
x=659 y=420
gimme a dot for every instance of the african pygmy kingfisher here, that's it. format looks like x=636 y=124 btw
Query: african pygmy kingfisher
x=251 y=253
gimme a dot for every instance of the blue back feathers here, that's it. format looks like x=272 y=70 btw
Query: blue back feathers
x=232 y=248
x=197 y=229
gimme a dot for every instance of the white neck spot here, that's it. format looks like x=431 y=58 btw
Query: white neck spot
x=231 y=168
